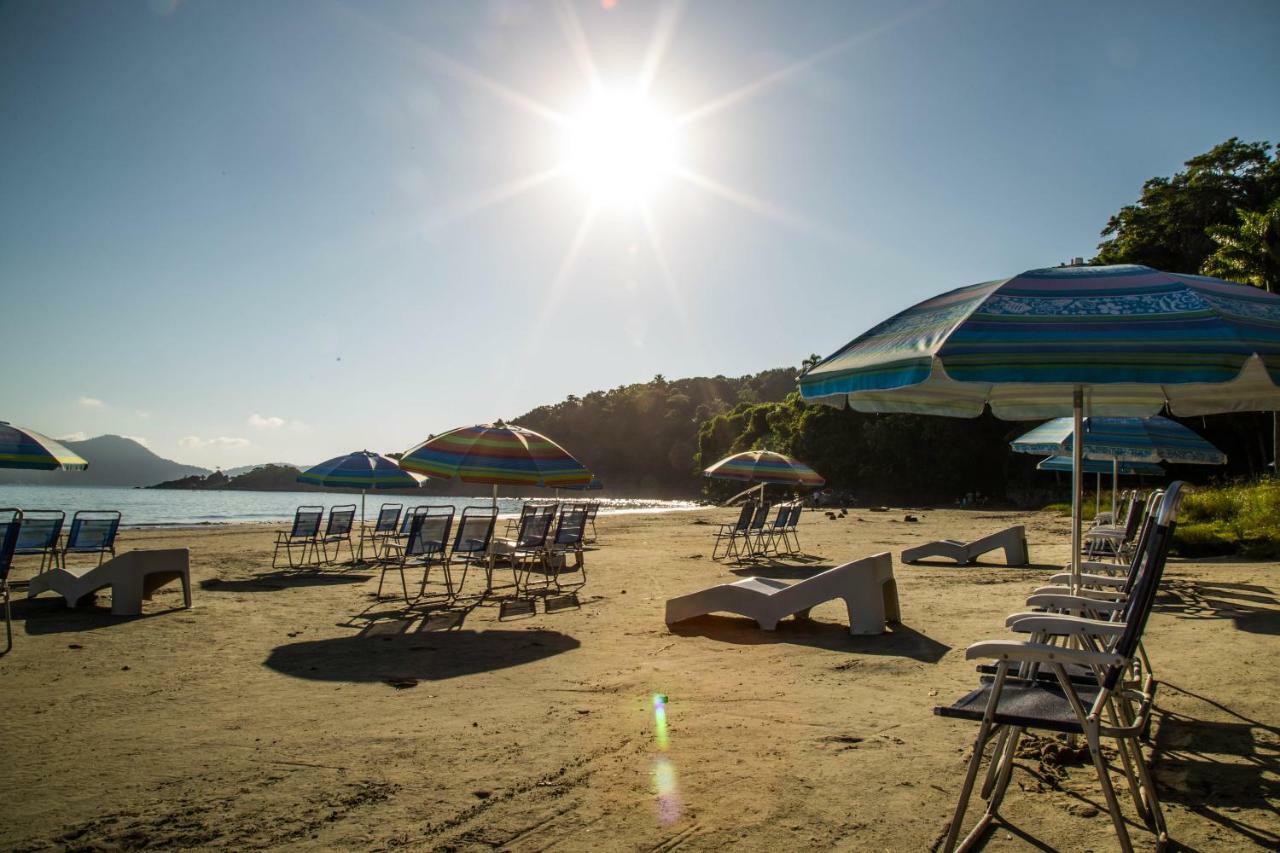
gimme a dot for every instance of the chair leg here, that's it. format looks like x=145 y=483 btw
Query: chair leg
x=1108 y=792
x=8 y=618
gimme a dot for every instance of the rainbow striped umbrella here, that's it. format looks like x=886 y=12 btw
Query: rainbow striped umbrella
x=765 y=466
x=498 y=454
x=1118 y=340
x=25 y=448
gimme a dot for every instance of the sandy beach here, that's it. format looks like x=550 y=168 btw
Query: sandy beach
x=298 y=712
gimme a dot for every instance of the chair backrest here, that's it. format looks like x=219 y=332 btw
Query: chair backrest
x=388 y=518
x=1137 y=509
x=761 y=513
x=536 y=527
x=429 y=531
x=93 y=530
x=406 y=521
x=1144 y=591
x=592 y=509
x=744 y=517
x=1143 y=541
x=10 y=525
x=780 y=520
x=793 y=518
x=572 y=525
x=340 y=519
x=39 y=532
x=306 y=522
x=475 y=530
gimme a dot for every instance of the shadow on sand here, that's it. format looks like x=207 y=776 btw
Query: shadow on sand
x=393 y=653
x=51 y=615
x=1252 y=607
x=899 y=641
x=276 y=581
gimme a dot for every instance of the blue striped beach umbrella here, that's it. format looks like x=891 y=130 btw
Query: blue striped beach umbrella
x=1099 y=466
x=361 y=470
x=1123 y=341
x=26 y=448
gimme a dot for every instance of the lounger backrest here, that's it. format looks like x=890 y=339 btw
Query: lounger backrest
x=761 y=513
x=340 y=520
x=93 y=530
x=1144 y=591
x=793 y=518
x=306 y=522
x=475 y=530
x=1139 y=551
x=388 y=518
x=1137 y=508
x=10 y=525
x=429 y=533
x=39 y=533
x=572 y=526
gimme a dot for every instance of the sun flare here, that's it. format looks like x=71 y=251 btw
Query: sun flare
x=620 y=148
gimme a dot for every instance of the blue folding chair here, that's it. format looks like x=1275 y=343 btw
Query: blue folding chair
x=93 y=531
x=41 y=529
x=10 y=524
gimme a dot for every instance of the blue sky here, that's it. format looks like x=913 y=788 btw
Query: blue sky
x=283 y=231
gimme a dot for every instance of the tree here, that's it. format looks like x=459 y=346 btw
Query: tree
x=1169 y=226
x=1249 y=251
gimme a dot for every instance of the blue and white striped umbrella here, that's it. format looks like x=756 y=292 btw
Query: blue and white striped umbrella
x=1099 y=466
x=1153 y=439
x=26 y=448
x=360 y=470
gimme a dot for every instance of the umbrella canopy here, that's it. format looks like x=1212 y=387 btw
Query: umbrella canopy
x=1153 y=439
x=765 y=466
x=1133 y=337
x=1099 y=466
x=360 y=470
x=498 y=453
x=595 y=484
x=25 y=448
x=1118 y=340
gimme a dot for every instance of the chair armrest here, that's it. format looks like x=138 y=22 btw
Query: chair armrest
x=1018 y=651
x=1094 y=594
x=1094 y=580
x=1059 y=626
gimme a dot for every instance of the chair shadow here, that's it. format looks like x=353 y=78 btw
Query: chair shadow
x=900 y=641
x=942 y=563
x=1251 y=607
x=51 y=615
x=276 y=581
x=1218 y=769
x=397 y=654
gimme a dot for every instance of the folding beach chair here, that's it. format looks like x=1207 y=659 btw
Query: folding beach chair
x=302 y=534
x=593 y=509
x=790 y=533
x=767 y=539
x=10 y=525
x=1116 y=542
x=1106 y=706
x=384 y=528
x=472 y=541
x=731 y=535
x=571 y=530
x=427 y=544
x=338 y=530
x=756 y=530
x=39 y=534
x=530 y=546
x=93 y=531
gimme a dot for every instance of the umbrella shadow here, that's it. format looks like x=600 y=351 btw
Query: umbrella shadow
x=899 y=641
x=1251 y=607
x=397 y=654
x=53 y=616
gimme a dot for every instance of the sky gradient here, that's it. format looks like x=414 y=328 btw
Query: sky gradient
x=250 y=232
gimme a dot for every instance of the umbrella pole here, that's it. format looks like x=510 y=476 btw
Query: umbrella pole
x=1115 y=476
x=1077 y=480
x=361 y=557
x=1097 y=494
x=493 y=557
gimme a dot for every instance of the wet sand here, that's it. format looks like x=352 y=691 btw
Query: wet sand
x=296 y=711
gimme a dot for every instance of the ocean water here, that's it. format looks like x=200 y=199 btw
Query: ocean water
x=164 y=507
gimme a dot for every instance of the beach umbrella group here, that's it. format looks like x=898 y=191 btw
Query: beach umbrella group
x=1123 y=341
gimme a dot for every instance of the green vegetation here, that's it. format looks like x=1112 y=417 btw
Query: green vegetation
x=1238 y=519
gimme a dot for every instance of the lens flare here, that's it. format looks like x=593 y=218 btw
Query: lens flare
x=664 y=771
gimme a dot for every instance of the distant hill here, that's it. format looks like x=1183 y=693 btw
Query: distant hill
x=245 y=469
x=113 y=461
x=257 y=478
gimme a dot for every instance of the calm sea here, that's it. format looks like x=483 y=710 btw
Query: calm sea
x=161 y=507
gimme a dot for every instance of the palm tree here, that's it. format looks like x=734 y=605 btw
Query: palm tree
x=1250 y=254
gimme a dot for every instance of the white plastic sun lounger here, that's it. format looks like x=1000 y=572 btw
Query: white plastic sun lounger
x=132 y=576
x=1012 y=539
x=867 y=587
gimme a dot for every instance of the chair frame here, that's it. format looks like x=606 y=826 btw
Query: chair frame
x=380 y=532
x=291 y=538
x=730 y=533
x=8 y=542
x=343 y=516
x=429 y=552
x=48 y=550
x=569 y=539
x=531 y=546
x=478 y=549
x=111 y=516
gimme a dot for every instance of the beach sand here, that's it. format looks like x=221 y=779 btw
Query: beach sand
x=296 y=711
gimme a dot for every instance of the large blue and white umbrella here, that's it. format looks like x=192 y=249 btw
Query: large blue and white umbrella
x=1098 y=467
x=1123 y=341
x=26 y=448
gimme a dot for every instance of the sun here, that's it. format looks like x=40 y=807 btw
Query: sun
x=620 y=147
